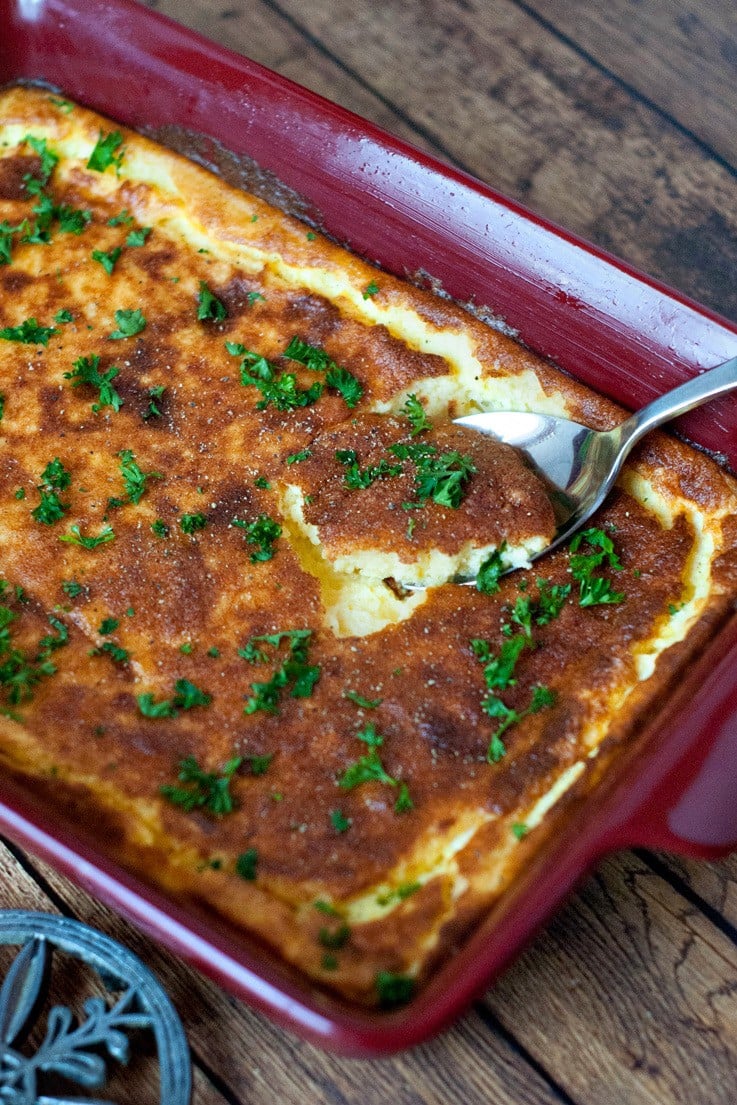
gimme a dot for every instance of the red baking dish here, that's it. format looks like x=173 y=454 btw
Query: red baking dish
x=618 y=331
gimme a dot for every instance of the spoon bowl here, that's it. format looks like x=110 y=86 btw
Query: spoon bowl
x=580 y=465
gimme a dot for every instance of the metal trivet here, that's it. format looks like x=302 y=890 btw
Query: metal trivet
x=72 y=1048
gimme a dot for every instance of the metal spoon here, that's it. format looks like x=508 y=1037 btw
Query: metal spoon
x=579 y=464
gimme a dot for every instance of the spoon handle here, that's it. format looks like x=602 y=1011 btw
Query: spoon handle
x=705 y=386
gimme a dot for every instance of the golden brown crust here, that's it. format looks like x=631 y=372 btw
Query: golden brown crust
x=411 y=856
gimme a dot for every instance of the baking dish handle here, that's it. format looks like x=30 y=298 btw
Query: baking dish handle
x=682 y=796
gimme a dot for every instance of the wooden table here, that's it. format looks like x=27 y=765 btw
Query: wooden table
x=617 y=121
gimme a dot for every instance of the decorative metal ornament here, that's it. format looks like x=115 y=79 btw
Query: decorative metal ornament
x=74 y=1048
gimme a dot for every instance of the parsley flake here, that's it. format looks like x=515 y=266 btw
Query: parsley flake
x=414 y=412
x=263 y=532
x=130 y=323
x=246 y=865
x=190 y=523
x=295 y=675
x=209 y=306
x=138 y=237
x=106 y=152
x=393 y=989
x=208 y=791
x=594 y=590
x=107 y=259
x=86 y=371
x=75 y=537
x=133 y=478
x=28 y=332
x=359 y=700
x=339 y=821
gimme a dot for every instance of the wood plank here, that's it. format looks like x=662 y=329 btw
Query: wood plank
x=259 y=32
x=526 y=113
x=715 y=883
x=679 y=55
x=630 y=995
x=262 y=1064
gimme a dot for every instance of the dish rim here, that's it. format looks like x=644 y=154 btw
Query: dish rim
x=558 y=279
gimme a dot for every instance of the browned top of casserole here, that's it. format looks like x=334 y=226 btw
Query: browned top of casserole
x=220 y=434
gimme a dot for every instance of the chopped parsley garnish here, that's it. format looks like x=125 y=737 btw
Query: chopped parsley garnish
x=56 y=475
x=133 y=478
x=358 y=478
x=594 y=590
x=138 y=237
x=339 y=821
x=6 y=241
x=187 y=648
x=295 y=675
x=153 y=410
x=414 y=412
x=400 y=894
x=262 y=483
x=208 y=791
x=277 y=388
x=72 y=588
x=115 y=652
x=296 y=458
x=187 y=695
x=393 y=989
x=491 y=570
x=260 y=764
x=107 y=259
x=159 y=528
x=72 y=220
x=499 y=676
x=519 y=829
x=246 y=864
x=190 y=523
x=370 y=290
x=364 y=703
x=76 y=538
x=336 y=377
x=63 y=105
x=122 y=219
x=441 y=477
x=368 y=768
x=49 y=159
x=106 y=152
x=263 y=532
x=63 y=315
x=54 y=478
x=150 y=708
x=334 y=938
x=403 y=803
x=86 y=371
x=129 y=322
x=107 y=626
x=254 y=297
x=20 y=493
x=28 y=332
x=50 y=509
x=209 y=306
x=19 y=673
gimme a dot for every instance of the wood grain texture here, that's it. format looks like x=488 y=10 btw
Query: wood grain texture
x=616 y=121
x=260 y=1064
x=494 y=89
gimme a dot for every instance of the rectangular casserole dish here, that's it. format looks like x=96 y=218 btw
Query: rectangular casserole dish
x=567 y=301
